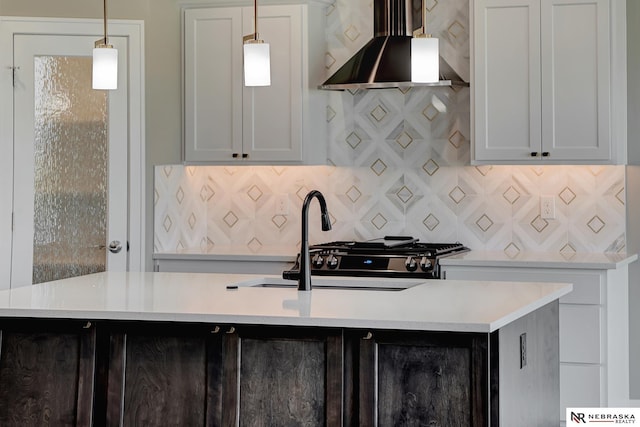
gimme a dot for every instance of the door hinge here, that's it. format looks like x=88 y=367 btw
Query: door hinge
x=13 y=77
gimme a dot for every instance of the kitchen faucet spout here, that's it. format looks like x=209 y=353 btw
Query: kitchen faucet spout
x=304 y=278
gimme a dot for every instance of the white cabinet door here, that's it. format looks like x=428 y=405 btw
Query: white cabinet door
x=212 y=83
x=580 y=386
x=226 y=122
x=507 y=79
x=575 y=84
x=542 y=82
x=272 y=115
x=581 y=333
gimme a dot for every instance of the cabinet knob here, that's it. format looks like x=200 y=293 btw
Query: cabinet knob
x=534 y=154
x=545 y=154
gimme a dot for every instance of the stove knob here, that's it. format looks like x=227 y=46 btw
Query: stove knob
x=411 y=264
x=425 y=263
x=332 y=262
x=317 y=261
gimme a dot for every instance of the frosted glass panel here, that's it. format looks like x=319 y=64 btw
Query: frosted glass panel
x=70 y=163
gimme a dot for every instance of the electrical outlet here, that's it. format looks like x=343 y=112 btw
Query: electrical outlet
x=282 y=204
x=523 y=350
x=547 y=207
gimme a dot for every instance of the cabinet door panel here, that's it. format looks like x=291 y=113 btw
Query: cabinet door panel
x=407 y=378
x=273 y=114
x=283 y=376
x=575 y=61
x=213 y=83
x=165 y=381
x=46 y=373
x=579 y=387
x=507 y=80
x=423 y=384
x=159 y=374
x=580 y=331
x=282 y=380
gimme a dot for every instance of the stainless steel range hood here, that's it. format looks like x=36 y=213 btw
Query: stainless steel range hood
x=385 y=61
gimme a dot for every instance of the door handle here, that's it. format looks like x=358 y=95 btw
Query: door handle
x=115 y=246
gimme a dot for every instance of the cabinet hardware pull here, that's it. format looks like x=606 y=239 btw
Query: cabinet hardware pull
x=245 y=155
x=545 y=154
x=215 y=330
x=368 y=336
x=534 y=154
x=234 y=155
x=231 y=330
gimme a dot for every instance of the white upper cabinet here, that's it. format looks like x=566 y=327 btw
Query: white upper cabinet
x=549 y=81
x=226 y=122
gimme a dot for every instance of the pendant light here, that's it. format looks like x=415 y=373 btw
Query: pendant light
x=425 y=56
x=105 y=61
x=257 y=62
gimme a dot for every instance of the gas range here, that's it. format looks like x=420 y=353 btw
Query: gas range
x=391 y=256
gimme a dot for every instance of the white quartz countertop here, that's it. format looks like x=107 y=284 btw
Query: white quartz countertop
x=597 y=261
x=438 y=305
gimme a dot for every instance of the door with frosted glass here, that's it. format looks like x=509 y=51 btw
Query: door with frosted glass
x=70 y=162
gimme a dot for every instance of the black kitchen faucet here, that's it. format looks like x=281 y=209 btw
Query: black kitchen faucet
x=304 y=278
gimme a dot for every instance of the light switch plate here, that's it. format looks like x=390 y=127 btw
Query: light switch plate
x=282 y=204
x=547 y=207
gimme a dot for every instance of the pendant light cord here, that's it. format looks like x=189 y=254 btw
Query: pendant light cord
x=424 y=17
x=255 y=19
x=105 y=21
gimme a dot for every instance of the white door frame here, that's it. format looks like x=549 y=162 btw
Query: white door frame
x=134 y=32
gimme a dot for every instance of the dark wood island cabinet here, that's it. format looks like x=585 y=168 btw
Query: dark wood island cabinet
x=135 y=373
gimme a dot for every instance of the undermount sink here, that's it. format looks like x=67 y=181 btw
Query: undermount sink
x=372 y=284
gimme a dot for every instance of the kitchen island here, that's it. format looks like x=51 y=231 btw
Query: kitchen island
x=194 y=349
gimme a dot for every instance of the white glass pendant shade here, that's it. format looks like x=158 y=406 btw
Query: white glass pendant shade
x=425 y=60
x=257 y=64
x=105 y=68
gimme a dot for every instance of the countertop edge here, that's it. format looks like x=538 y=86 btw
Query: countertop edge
x=555 y=296
x=83 y=315
x=223 y=257
x=488 y=261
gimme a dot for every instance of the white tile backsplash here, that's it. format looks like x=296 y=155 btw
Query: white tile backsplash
x=496 y=208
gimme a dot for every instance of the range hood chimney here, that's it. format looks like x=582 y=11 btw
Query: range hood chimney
x=385 y=61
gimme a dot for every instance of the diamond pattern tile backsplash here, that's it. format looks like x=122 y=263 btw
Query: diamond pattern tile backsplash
x=488 y=207
x=399 y=165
